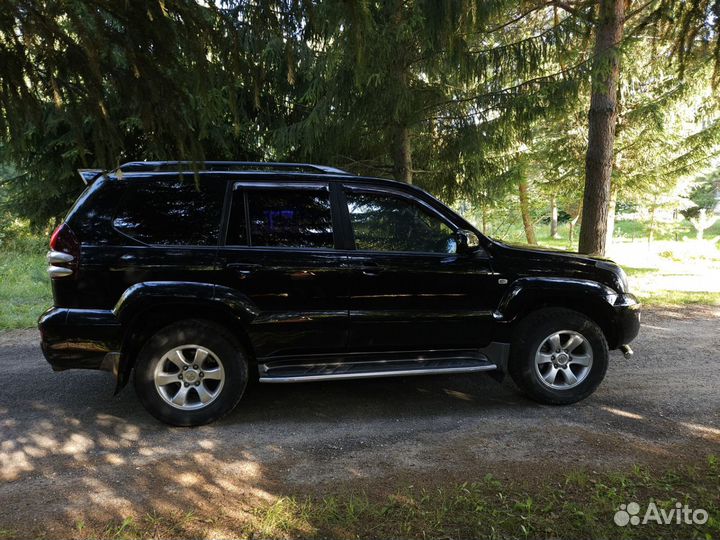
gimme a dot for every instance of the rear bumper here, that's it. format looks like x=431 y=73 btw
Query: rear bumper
x=627 y=320
x=80 y=338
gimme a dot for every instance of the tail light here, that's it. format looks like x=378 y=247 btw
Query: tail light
x=64 y=254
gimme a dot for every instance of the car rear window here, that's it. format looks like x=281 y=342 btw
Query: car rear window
x=180 y=210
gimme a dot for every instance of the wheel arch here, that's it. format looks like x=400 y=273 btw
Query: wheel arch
x=146 y=308
x=589 y=298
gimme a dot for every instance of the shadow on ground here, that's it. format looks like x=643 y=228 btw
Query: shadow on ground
x=69 y=451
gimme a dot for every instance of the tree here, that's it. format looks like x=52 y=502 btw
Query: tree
x=690 y=41
x=525 y=212
x=602 y=119
x=704 y=196
x=93 y=83
x=440 y=94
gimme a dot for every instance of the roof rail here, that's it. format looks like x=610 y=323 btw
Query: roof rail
x=156 y=166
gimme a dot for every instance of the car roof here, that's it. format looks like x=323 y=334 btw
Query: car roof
x=252 y=171
x=229 y=166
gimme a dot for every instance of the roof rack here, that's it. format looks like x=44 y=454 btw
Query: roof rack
x=156 y=166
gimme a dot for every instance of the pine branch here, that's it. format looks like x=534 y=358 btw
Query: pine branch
x=509 y=89
x=573 y=10
x=535 y=37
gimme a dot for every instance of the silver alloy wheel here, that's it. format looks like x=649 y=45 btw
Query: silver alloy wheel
x=189 y=377
x=563 y=360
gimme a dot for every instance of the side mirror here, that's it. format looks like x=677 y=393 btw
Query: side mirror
x=466 y=241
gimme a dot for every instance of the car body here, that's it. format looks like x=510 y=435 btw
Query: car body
x=315 y=273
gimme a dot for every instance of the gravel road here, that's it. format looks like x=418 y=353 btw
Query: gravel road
x=69 y=450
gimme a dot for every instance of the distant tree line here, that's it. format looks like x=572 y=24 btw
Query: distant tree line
x=574 y=100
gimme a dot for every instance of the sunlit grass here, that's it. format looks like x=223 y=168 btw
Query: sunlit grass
x=579 y=503
x=625 y=231
x=24 y=289
x=662 y=298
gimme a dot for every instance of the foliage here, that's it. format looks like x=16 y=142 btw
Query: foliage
x=96 y=83
x=704 y=194
x=466 y=96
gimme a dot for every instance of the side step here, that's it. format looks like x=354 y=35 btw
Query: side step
x=429 y=363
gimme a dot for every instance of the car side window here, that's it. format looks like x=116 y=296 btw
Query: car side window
x=176 y=211
x=385 y=222
x=282 y=217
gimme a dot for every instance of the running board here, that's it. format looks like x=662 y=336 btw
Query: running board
x=427 y=364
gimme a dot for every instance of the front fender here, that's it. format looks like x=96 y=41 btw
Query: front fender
x=526 y=293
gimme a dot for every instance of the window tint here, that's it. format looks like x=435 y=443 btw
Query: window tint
x=237 y=229
x=388 y=223
x=290 y=218
x=175 y=211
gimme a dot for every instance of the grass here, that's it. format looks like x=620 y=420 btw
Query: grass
x=578 y=504
x=625 y=231
x=24 y=289
x=581 y=505
x=665 y=298
x=632 y=230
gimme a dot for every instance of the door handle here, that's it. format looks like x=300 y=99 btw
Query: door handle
x=243 y=269
x=370 y=269
x=302 y=274
x=128 y=258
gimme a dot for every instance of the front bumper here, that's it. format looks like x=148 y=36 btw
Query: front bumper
x=626 y=315
x=80 y=338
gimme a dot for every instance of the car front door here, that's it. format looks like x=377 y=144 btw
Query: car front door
x=409 y=289
x=280 y=252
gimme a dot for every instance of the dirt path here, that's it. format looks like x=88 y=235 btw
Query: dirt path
x=71 y=451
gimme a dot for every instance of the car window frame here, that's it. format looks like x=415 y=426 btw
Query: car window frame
x=401 y=195
x=251 y=185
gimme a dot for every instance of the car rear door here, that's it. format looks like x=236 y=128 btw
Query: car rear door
x=280 y=252
x=165 y=228
x=409 y=289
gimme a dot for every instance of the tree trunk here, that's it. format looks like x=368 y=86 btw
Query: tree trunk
x=402 y=154
x=602 y=120
x=702 y=222
x=553 y=217
x=651 y=228
x=611 y=218
x=571 y=224
x=525 y=211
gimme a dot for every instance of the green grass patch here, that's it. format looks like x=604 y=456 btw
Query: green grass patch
x=581 y=505
x=578 y=504
x=625 y=230
x=24 y=289
x=639 y=272
x=662 y=231
x=662 y=298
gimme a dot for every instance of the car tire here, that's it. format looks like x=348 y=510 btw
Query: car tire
x=191 y=373
x=558 y=356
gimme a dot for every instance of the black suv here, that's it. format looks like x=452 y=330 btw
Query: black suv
x=196 y=282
